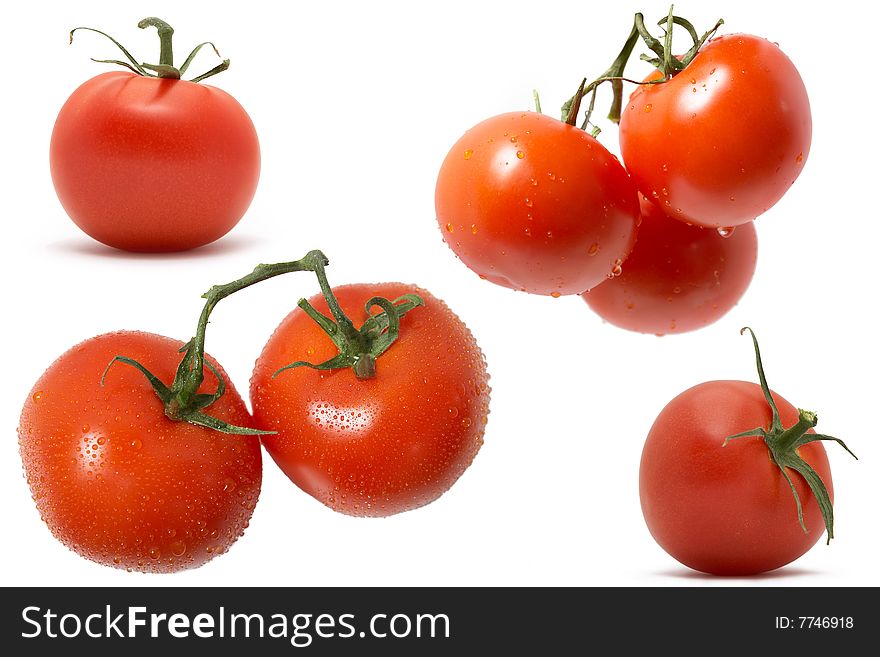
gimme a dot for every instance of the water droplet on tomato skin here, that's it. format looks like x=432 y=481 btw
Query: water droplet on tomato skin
x=520 y=155
x=555 y=295
x=449 y=228
x=594 y=249
x=468 y=154
x=726 y=231
x=38 y=395
x=136 y=444
x=648 y=108
x=529 y=202
x=473 y=229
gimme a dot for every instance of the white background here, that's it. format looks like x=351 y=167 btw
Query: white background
x=356 y=105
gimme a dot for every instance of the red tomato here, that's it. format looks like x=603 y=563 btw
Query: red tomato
x=726 y=510
x=534 y=204
x=149 y=164
x=378 y=446
x=118 y=482
x=723 y=140
x=678 y=278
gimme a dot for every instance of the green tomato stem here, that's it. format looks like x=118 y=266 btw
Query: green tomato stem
x=665 y=61
x=181 y=400
x=165 y=68
x=166 y=52
x=358 y=349
x=783 y=445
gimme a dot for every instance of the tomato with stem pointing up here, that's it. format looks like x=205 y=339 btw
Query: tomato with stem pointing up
x=734 y=480
x=720 y=142
x=147 y=161
x=136 y=473
x=393 y=413
x=119 y=482
x=716 y=136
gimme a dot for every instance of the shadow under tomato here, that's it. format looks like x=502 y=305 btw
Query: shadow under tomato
x=779 y=573
x=224 y=246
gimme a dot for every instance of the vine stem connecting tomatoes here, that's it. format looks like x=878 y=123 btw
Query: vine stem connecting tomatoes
x=717 y=136
x=181 y=400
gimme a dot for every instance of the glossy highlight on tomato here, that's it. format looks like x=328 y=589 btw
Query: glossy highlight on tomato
x=153 y=164
x=723 y=140
x=382 y=445
x=678 y=278
x=534 y=204
x=118 y=482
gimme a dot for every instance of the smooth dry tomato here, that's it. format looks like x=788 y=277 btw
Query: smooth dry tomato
x=726 y=510
x=734 y=480
x=117 y=481
x=147 y=163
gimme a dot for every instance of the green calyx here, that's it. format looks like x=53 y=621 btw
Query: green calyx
x=358 y=348
x=181 y=399
x=784 y=443
x=664 y=60
x=165 y=68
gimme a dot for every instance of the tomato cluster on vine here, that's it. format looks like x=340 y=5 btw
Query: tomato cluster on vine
x=143 y=459
x=663 y=241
